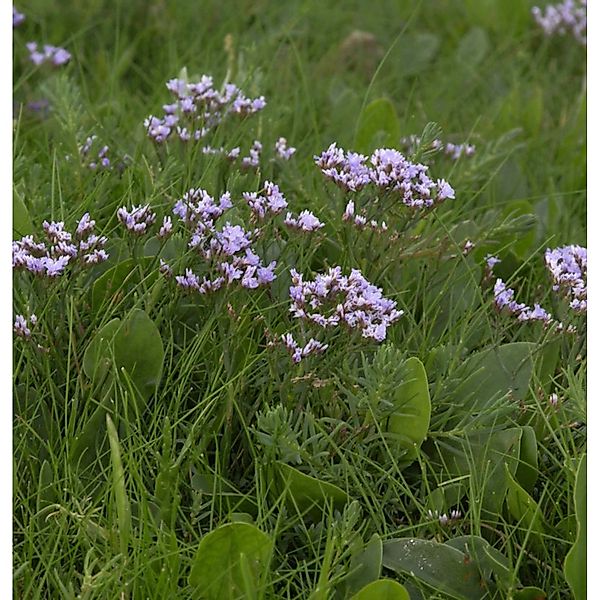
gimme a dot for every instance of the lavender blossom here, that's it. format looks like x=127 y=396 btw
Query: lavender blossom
x=53 y=54
x=297 y=352
x=166 y=228
x=347 y=171
x=569 y=16
x=198 y=109
x=349 y=300
x=454 y=151
x=568 y=268
x=138 y=220
x=44 y=261
x=252 y=161
x=21 y=328
x=282 y=149
x=18 y=17
x=305 y=221
x=491 y=261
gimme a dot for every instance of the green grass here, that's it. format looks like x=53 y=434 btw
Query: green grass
x=119 y=511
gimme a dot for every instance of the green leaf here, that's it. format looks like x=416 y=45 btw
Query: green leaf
x=139 y=350
x=438 y=565
x=576 y=561
x=307 y=493
x=378 y=126
x=230 y=562
x=365 y=567
x=22 y=224
x=527 y=471
x=473 y=47
x=482 y=456
x=523 y=508
x=99 y=354
x=489 y=560
x=383 y=589
x=520 y=241
x=489 y=376
x=113 y=285
x=409 y=420
x=120 y=493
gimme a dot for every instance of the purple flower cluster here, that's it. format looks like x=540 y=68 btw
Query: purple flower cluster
x=567 y=16
x=252 y=161
x=18 y=17
x=198 y=109
x=50 y=258
x=138 y=219
x=101 y=161
x=568 y=268
x=270 y=201
x=283 y=150
x=390 y=171
x=21 y=327
x=305 y=221
x=333 y=299
x=504 y=299
x=228 y=251
x=52 y=54
x=299 y=352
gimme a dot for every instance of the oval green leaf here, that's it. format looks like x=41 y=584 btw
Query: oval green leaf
x=440 y=566
x=230 y=560
x=139 y=350
x=99 y=354
x=308 y=494
x=378 y=126
x=409 y=421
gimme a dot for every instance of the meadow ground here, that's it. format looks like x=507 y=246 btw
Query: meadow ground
x=418 y=433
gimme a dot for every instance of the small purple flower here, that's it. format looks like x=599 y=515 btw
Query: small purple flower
x=491 y=261
x=282 y=149
x=305 y=221
x=567 y=16
x=138 y=219
x=18 y=17
x=20 y=327
x=165 y=269
x=568 y=268
x=253 y=160
x=85 y=226
x=55 y=55
x=166 y=228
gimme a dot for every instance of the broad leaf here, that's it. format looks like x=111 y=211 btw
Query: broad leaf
x=230 y=562
x=366 y=565
x=378 y=126
x=99 y=354
x=409 y=421
x=523 y=508
x=139 y=350
x=307 y=493
x=438 y=565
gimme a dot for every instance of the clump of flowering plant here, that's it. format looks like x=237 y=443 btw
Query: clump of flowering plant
x=49 y=54
x=568 y=268
x=569 y=16
x=198 y=108
x=61 y=248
